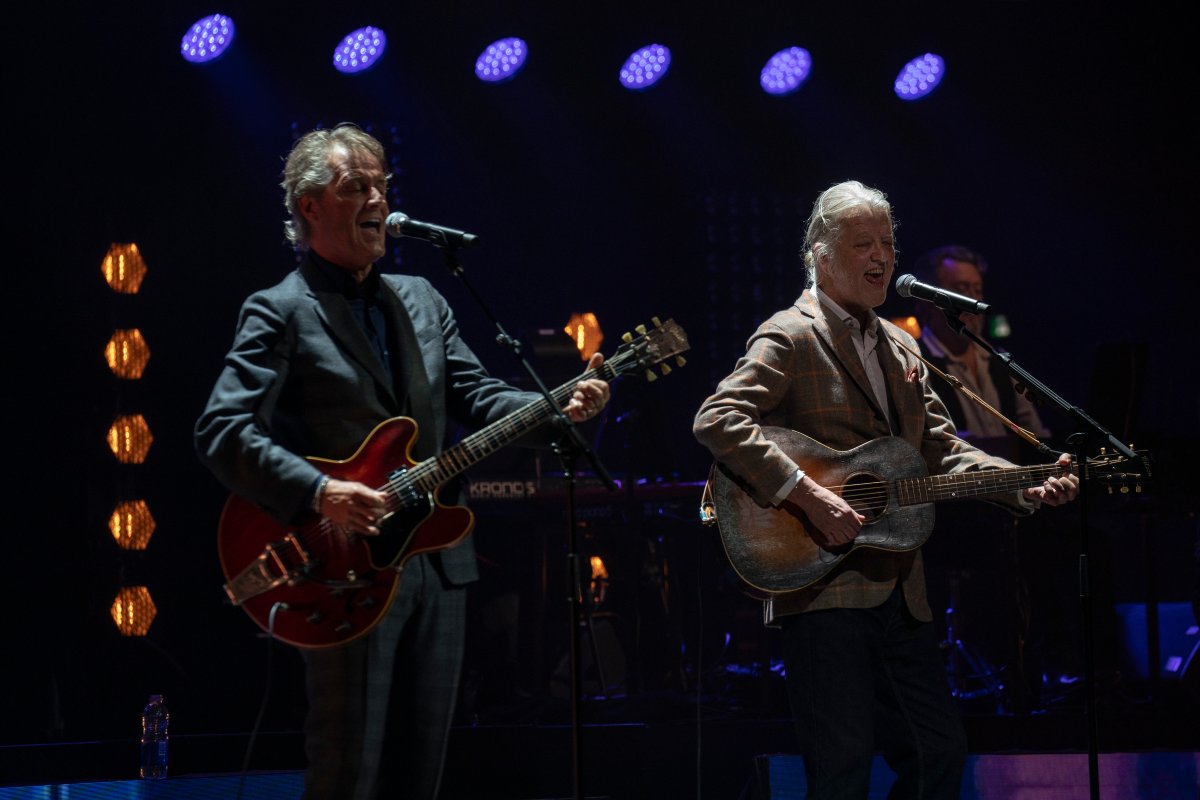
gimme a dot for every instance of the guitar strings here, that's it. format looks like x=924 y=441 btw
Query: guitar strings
x=433 y=472
x=944 y=487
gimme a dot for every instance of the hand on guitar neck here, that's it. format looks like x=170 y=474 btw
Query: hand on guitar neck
x=1057 y=489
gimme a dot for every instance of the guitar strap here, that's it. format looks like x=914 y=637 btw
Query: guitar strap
x=1024 y=433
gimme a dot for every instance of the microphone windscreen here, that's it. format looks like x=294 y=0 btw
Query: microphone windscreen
x=904 y=284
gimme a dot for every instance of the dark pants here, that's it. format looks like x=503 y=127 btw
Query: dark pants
x=866 y=679
x=380 y=707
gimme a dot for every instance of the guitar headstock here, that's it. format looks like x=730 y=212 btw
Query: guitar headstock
x=1119 y=472
x=652 y=348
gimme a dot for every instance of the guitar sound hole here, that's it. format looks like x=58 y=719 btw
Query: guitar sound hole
x=866 y=494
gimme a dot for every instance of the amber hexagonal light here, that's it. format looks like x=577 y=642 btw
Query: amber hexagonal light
x=909 y=325
x=129 y=438
x=584 y=330
x=133 y=610
x=132 y=525
x=124 y=268
x=127 y=354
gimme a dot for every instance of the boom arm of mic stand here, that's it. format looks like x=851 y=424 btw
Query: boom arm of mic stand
x=561 y=420
x=1091 y=427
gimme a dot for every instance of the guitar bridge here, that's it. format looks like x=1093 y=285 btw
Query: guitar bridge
x=282 y=562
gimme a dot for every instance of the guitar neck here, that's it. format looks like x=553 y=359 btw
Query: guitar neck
x=910 y=491
x=650 y=349
x=433 y=472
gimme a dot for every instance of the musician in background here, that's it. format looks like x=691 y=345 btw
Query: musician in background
x=862 y=659
x=317 y=362
x=961 y=270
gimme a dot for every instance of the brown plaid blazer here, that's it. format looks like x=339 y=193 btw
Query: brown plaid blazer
x=801 y=371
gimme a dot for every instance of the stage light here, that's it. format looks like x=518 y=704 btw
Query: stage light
x=359 y=50
x=133 y=610
x=920 y=77
x=207 y=39
x=599 y=584
x=123 y=268
x=645 y=66
x=501 y=60
x=132 y=525
x=998 y=327
x=127 y=354
x=786 y=71
x=584 y=330
x=129 y=439
x=909 y=325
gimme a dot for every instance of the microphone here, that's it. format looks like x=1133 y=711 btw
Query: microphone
x=399 y=224
x=909 y=286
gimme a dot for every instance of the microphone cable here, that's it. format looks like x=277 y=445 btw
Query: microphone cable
x=262 y=709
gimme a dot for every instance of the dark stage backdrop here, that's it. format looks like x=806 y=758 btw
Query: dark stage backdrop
x=1057 y=146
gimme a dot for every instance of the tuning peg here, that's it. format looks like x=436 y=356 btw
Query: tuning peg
x=641 y=329
x=627 y=337
x=651 y=375
x=656 y=321
x=680 y=361
x=666 y=368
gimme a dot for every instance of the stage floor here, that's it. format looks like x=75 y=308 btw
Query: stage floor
x=660 y=747
x=1123 y=776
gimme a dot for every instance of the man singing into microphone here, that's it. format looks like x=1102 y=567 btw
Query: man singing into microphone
x=317 y=362
x=862 y=658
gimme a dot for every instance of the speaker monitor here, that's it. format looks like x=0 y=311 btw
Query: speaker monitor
x=1178 y=637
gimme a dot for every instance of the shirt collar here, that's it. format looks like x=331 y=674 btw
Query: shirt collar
x=340 y=280
x=847 y=319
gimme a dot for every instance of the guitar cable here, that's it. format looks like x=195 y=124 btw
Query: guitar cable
x=277 y=607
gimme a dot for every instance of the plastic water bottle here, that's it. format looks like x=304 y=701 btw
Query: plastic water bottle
x=155 y=723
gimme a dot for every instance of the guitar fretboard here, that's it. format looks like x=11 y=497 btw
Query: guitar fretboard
x=910 y=491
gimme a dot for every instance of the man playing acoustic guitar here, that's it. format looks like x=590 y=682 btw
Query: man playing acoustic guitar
x=319 y=363
x=820 y=378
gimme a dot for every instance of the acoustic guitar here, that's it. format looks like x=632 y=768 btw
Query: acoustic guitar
x=885 y=480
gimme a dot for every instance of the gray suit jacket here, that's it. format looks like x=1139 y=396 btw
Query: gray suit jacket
x=301 y=379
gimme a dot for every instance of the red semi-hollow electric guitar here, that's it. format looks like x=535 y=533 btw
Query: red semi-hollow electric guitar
x=329 y=586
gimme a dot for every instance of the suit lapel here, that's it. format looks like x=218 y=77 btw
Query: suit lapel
x=908 y=402
x=837 y=336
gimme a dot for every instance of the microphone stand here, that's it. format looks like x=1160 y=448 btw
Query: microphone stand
x=569 y=447
x=1090 y=431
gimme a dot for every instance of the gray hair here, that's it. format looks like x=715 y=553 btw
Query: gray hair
x=307 y=171
x=829 y=212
